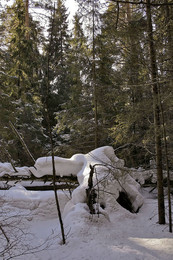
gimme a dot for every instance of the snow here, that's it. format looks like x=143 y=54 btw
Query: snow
x=7 y=169
x=112 y=233
x=64 y=167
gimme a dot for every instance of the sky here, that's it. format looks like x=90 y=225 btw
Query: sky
x=70 y=4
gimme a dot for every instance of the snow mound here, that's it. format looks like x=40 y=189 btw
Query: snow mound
x=7 y=169
x=63 y=167
x=39 y=205
x=110 y=179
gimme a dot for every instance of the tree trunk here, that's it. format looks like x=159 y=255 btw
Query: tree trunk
x=169 y=32
x=94 y=80
x=170 y=49
x=27 y=18
x=50 y=134
x=167 y=169
x=90 y=192
x=156 y=110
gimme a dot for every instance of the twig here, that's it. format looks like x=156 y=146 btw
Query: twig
x=9 y=158
x=3 y=232
x=22 y=141
x=140 y=2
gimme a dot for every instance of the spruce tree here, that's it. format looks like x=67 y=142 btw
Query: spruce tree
x=56 y=70
x=76 y=116
x=90 y=11
x=162 y=20
x=157 y=117
x=123 y=31
x=22 y=77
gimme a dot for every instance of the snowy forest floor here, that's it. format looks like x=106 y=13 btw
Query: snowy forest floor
x=122 y=235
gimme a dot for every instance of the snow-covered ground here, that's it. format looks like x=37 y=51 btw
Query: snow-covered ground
x=29 y=218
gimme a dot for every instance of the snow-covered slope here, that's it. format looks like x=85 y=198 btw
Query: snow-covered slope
x=29 y=218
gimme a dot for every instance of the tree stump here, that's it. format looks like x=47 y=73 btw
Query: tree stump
x=90 y=192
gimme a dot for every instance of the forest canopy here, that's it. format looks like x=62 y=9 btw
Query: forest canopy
x=90 y=82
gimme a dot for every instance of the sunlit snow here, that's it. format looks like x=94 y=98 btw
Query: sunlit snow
x=30 y=218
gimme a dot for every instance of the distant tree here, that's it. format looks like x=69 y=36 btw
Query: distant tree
x=163 y=22
x=90 y=11
x=128 y=99
x=55 y=57
x=76 y=118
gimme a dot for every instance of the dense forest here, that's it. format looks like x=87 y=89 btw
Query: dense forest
x=104 y=79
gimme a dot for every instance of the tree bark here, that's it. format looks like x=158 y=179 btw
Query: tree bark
x=169 y=32
x=90 y=192
x=94 y=79
x=167 y=170
x=170 y=48
x=156 y=111
x=27 y=18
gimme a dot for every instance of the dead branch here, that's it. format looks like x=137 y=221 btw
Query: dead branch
x=22 y=141
x=140 y=2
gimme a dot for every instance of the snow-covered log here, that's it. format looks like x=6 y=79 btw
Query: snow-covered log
x=110 y=179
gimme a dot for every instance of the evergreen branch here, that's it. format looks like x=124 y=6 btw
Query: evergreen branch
x=148 y=84
x=5 y=74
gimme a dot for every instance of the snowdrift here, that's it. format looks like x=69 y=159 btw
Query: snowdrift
x=110 y=179
x=113 y=233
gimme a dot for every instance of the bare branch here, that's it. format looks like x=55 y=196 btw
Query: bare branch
x=4 y=233
x=140 y=2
